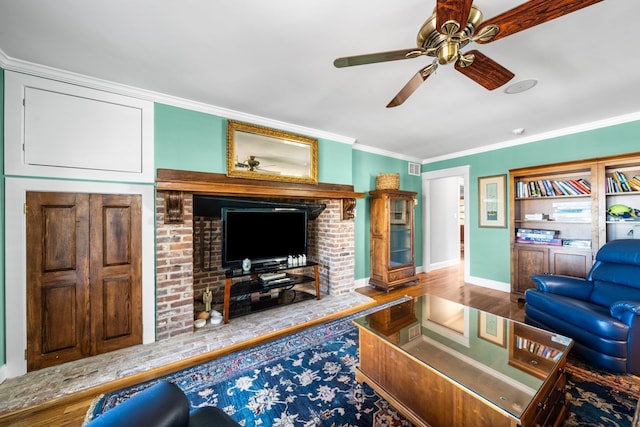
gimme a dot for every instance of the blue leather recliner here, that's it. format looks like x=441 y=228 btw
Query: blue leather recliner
x=162 y=405
x=600 y=313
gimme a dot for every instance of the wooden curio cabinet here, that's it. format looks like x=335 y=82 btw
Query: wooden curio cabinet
x=392 y=233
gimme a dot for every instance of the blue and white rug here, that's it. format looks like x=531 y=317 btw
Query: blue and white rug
x=308 y=379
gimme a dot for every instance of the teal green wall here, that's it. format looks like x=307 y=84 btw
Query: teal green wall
x=189 y=140
x=195 y=141
x=489 y=248
x=334 y=162
x=366 y=166
x=3 y=320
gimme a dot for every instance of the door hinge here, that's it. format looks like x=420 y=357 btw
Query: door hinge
x=25 y=208
x=25 y=354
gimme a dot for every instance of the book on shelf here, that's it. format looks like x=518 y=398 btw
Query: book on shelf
x=538 y=231
x=579 y=186
x=538 y=236
x=536 y=217
x=548 y=188
x=572 y=211
x=539 y=241
x=621 y=179
x=634 y=183
x=568 y=189
x=556 y=188
x=577 y=243
x=618 y=183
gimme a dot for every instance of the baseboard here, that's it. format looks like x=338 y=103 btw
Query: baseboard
x=3 y=373
x=491 y=284
x=443 y=264
x=360 y=283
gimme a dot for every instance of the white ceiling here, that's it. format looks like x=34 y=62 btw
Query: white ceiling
x=274 y=59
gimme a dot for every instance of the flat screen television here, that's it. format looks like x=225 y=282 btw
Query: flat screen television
x=265 y=236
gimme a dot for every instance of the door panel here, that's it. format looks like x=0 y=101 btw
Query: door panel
x=59 y=238
x=58 y=320
x=570 y=262
x=529 y=260
x=57 y=278
x=116 y=286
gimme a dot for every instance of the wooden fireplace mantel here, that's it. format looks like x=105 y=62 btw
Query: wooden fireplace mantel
x=172 y=180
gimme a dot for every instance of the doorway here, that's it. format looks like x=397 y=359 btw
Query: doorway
x=446 y=228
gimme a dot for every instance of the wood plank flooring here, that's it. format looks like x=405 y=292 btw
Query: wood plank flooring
x=447 y=283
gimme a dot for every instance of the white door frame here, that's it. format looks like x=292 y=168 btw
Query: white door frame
x=16 y=262
x=427 y=177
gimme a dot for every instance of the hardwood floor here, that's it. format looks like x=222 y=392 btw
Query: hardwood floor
x=447 y=283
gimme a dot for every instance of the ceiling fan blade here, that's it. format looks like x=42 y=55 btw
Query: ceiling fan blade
x=530 y=14
x=412 y=85
x=452 y=10
x=371 y=58
x=484 y=70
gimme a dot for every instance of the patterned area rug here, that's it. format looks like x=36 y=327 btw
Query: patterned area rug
x=600 y=398
x=308 y=379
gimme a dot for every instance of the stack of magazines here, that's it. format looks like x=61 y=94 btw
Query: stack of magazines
x=538 y=236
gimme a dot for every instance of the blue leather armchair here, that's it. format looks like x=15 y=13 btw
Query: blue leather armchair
x=601 y=313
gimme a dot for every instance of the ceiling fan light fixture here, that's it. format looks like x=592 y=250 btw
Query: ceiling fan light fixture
x=521 y=86
x=448 y=52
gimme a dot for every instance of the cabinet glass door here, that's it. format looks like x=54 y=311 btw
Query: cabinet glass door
x=400 y=232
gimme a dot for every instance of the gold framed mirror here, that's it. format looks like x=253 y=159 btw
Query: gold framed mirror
x=268 y=154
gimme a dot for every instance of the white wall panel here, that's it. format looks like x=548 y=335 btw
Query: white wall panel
x=55 y=129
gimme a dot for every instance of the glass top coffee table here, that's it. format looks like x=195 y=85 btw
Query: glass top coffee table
x=445 y=364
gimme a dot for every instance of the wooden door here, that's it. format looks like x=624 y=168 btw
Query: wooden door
x=570 y=261
x=528 y=260
x=84 y=290
x=58 y=321
x=115 y=270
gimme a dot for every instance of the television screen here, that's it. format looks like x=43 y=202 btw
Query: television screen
x=262 y=235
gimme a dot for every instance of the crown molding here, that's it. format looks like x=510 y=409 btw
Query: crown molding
x=44 y=71
x=34 y=69
x=598 y=124
x=386 y=153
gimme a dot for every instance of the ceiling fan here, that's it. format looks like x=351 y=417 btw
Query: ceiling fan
x=443 y=35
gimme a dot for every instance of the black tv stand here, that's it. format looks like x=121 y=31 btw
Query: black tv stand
x=269 y=266
x=247 y=285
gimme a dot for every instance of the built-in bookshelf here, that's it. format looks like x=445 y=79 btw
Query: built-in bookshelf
x=570 y=205
x=622 y=190
x=553 y=222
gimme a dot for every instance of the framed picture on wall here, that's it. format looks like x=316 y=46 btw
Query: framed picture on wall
x=492 y=200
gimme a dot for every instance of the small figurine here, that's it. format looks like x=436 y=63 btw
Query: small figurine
x=207 y=297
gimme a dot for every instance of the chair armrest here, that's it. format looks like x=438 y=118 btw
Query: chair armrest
x=625 y=311
x=568 y=286
x=162 y=405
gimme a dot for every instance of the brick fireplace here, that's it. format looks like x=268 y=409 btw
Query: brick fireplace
x=188 y=247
